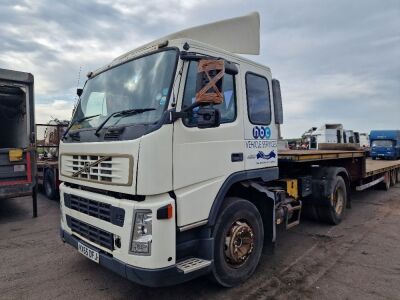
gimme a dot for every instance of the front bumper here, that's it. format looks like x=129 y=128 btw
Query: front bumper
x=149 y=277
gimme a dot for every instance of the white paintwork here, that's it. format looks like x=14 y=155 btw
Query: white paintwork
x=120 y=168
x=327 y=133
x=193 y=163
x=117 y=148
x=264 y=143
x=155 y=162
x=236 y=35
x=364 y=140
x=163 y=244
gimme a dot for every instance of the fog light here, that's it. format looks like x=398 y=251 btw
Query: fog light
x=142 y=233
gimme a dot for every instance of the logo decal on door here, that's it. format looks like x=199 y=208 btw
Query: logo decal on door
x=261 y=132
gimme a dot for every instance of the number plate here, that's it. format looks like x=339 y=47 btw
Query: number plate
x=19 y=168
x=89 y=253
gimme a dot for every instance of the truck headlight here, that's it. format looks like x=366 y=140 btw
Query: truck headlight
x=142 y=233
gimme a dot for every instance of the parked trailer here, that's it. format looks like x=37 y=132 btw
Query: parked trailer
x=325 y=167
x=17 y=136
x=48 y=141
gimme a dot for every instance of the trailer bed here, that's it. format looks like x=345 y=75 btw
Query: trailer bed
x=315 y=155
x=371 y=167
x=379 y=166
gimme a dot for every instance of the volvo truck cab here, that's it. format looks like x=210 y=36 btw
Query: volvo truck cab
x=161 y=145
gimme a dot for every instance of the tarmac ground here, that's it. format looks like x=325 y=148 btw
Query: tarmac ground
x=358 y=259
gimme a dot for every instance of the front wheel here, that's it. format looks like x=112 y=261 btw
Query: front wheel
x=238 y=241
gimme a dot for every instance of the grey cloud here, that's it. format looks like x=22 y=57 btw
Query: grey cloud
x=302 y=41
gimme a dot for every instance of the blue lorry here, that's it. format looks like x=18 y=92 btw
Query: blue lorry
x=385 y=144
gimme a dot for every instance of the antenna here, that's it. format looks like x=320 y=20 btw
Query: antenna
x=77 y=86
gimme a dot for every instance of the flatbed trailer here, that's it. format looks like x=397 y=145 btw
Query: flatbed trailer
x=362 y=172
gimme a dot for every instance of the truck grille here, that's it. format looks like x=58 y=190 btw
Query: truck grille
x=101 y=171
x=93 y=234
x=98 y=168
x=102 y=211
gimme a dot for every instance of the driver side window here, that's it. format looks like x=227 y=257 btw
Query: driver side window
x=227 y=108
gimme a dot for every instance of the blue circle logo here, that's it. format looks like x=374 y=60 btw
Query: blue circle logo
x=261 y=132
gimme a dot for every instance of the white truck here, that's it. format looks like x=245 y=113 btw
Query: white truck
x=170 y=164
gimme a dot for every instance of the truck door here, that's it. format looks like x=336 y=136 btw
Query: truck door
x=204 y=158
x=260 y=130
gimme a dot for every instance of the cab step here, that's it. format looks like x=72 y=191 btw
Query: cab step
x=192 y=264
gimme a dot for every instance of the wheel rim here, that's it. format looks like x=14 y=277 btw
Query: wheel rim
x=338 y=200
x=239 y=243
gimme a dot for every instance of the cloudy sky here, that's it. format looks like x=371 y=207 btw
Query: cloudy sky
x=338 y=61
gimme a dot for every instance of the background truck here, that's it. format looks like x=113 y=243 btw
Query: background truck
x=17 y=136
x=170 y=166
x=47 y=143
x=385 y=144
x=331 y=137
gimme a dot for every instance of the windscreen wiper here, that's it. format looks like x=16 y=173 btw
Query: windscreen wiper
x=126 y=112
x=77 y=122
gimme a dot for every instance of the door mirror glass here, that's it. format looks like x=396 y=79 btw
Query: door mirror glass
x=208 y=117
x=276 y=93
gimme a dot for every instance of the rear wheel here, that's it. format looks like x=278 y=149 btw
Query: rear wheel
x=238 y=241
x=393 y=178
x=49 y=185
x=385 y=184
x=334 y=211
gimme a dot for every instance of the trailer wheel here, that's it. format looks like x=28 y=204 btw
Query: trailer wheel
x=49 y=185
x=333 y=213
x=238 y=241
x=385 y=184
x=393 y=176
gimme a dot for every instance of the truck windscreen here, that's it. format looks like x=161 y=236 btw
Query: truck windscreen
x=382 y=143
x=140 y=83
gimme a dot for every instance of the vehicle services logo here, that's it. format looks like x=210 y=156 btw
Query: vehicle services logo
x=262 y=155
x=261 y=132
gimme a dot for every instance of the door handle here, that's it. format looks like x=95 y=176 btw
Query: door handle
x=237 y=157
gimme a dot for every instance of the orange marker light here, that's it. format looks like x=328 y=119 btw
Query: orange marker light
x=169 y=208
x=165 y=212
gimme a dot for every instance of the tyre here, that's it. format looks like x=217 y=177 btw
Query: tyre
x=393 y=178
x=238 y=241
x=373 y=158
x=49 y=185
x=385 y=184
x=334 y=211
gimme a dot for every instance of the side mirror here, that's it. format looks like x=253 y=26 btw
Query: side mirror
x=79 y=92
x=208 y=117
x=209 y=81
x=278 y=109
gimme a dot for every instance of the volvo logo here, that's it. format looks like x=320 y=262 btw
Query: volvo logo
x=87 y=165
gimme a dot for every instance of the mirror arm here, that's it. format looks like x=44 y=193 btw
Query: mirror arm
x=175 y=115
